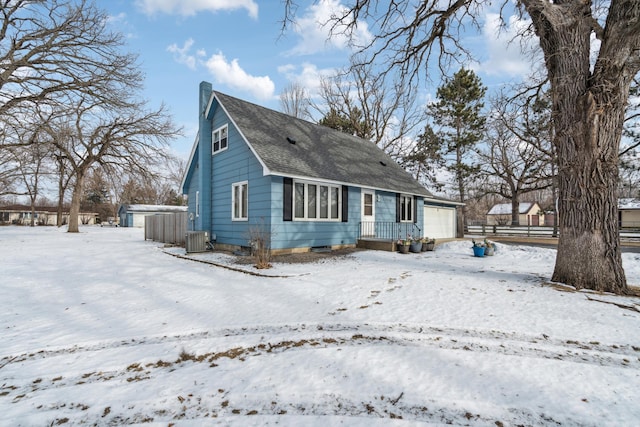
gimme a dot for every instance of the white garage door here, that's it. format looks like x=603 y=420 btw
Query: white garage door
x=439 y=222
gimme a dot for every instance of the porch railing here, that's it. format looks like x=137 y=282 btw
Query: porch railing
x=388 y=230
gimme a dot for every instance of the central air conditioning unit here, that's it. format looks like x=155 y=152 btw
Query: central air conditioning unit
x=196 y=241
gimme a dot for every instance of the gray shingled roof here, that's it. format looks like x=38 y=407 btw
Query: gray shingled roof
x=319 y=152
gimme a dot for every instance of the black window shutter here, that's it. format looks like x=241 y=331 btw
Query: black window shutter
x=415 y=209
x=287 y=199
x=398 y=208
x=345 y=203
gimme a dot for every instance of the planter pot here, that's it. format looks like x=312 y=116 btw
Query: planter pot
x=489 y=251
x=428 y=247
x=403 y=249
x=479 y=252
x=415 y=247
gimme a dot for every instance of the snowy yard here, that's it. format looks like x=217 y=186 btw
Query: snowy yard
x=103 y=328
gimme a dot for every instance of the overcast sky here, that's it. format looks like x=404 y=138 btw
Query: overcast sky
x=238 y=46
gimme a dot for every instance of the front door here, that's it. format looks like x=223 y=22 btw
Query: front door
x=368 y=227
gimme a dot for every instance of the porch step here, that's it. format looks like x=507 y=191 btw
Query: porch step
x=376 y=244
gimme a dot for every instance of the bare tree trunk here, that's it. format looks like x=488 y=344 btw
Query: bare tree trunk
x=515 y=210
x=60 y=203
x=33 y=212
x=589 y=253
x=588 y=110
x=76 y=198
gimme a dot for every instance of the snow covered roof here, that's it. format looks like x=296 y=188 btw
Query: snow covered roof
x=629 y=204
x=505 y=208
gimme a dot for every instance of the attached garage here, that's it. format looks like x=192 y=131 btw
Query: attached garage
x=439 y=221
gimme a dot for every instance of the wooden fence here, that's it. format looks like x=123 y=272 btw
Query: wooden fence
x=532 y=231
x=166 y=228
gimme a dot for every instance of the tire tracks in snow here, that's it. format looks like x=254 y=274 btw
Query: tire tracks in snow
x=236 y=345
x=504 y=343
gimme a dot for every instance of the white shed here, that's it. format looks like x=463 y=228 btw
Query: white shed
x=530 y=214
x=629 y=213
x=133 y=215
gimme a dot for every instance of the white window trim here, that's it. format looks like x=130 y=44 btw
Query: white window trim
x=410 y=218
x=197 y=204
x=318 y=184
x=240 y=184
x=213 y=139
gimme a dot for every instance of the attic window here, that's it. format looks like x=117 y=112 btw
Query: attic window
x=219 y=139
x=291 y=141
x=383 y=163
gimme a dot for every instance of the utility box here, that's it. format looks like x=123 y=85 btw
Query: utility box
x=196 y=241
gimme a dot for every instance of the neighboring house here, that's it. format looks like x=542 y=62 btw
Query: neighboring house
x=530 y=214
x=253 y=171
x=43 y=215
x=133 y=215
x=629 y=213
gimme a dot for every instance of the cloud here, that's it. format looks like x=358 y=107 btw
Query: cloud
x=508 y=53
x=192 y=7
x=308 y=76
x=314 y=30
x=232 y=75
x=181 y=54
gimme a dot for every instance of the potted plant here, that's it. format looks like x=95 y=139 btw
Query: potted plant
x=416 y=245
x=428 y=244
x=489 y=247
x=403 y=245
x=478 y=248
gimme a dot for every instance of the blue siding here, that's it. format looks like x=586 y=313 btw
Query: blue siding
x=193 y=186
x=212 y=176
x=385 y=210
x=203 y=180
x=236 y=164
x=305 y=234
x=386 y=206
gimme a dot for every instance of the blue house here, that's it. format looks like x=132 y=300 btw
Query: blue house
x=304 y=185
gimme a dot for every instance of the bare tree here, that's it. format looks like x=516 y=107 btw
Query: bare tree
x=588 y=101
x=511 y=160
x=129 y=138
x=376 y=109
x=50 y=50
x=9 y=174
x=32 y=166
x=60 y=59
x=295 y=101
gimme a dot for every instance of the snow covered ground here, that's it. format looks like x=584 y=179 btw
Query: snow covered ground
x=104 y=328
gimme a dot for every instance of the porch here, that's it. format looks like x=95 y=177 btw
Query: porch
x=382 y=236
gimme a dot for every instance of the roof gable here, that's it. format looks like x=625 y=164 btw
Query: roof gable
x=289 y=146
x=191 y=165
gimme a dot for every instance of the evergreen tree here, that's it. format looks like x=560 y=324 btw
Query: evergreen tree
x=458 y=115
x=354 y=124
x=425 y=159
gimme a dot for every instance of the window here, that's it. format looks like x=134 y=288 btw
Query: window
x=240 y=201
x=219 y=139
x=368 y=204
x=316 y=202
x=406 y=208
x=197 y=204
